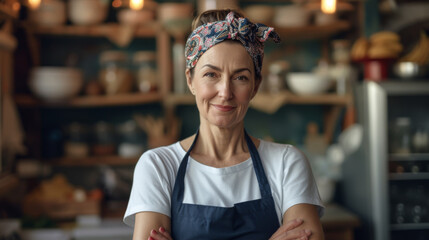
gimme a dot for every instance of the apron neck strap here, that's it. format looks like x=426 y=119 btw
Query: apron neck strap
x=264 y=186
x=179 y=185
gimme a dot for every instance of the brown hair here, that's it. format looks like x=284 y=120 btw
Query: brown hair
x=213 y=16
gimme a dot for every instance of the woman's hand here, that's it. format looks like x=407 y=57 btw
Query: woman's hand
x=161 y=234
x=288 y=231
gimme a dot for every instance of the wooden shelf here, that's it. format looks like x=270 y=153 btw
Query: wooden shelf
x=7 y=12
x=152 y=28
x=410 y=226
x=409 y=157
x=7 y=41
x=270 y=103
x=7 y=183
x=312 y=31
x=182 y=99
x=149 y=29
x=409 y=176
x=94 y=161
x=92 y=101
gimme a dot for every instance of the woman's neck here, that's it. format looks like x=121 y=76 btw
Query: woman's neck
x=220 y=147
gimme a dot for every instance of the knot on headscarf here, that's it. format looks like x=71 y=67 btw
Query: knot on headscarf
x=251 y=36
x=239 y=28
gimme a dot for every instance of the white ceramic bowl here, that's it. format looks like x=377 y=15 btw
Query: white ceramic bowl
x=133 y=17
x=291 y=16
x=321 y=18
x=49 y=13
x=87 y=12
x=175 y=11
x=307 y=83
x=55 y=83
x=259 y=13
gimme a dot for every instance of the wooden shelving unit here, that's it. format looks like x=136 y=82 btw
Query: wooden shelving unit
x=91 y=101
x=172 y=100
x=7 y=12
x=270 y=103
x=312 y=31
x=112 y=160
x=8 y=44
x=148 y=29
x=7 y=183
x=264 y=102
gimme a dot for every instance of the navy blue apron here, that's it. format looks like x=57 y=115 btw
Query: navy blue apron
x=255 y=219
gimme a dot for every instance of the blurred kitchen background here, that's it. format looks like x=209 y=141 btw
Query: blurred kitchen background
x=88 y=85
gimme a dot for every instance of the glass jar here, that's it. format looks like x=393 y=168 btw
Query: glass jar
x=341 y=52
x=131 y=140
x=401 y=139
x=115 y=76
x=146 y=71
x=104 y=139
x=276 y=76
x=76 y=144
x=420 y=141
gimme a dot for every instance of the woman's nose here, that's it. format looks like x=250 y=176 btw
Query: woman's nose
x=225 y=89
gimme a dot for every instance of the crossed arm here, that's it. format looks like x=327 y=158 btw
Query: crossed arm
x=300 y=221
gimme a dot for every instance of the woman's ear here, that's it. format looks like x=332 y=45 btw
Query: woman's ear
x=189 y=80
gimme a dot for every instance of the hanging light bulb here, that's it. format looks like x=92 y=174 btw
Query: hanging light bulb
x=34 y=4
x=329 y=6
x=136 y=4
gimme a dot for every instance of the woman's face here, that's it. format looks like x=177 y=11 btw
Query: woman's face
x=223 y=84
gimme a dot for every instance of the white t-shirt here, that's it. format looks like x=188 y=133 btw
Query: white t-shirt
x=287 y=169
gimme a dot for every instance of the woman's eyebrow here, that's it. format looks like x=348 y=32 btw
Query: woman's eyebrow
x=218 y=69
x=242 y=70
x=211 y=66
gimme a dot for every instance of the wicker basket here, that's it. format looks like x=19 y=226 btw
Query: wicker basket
x=61 y=209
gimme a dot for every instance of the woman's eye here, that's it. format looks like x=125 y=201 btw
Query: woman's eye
x=242 y=78
x=210 y=75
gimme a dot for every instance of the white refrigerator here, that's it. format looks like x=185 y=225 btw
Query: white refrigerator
x=386 y=182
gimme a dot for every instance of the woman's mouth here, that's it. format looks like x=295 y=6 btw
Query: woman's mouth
x=223 y=108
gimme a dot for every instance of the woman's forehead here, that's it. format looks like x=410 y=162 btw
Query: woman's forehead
x=229 y=53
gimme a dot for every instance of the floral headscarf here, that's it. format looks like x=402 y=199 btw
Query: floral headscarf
x=251 y=36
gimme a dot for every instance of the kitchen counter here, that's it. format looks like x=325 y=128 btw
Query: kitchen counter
x=106 y=229
x=339 y=223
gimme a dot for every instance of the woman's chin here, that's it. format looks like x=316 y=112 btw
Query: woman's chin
x=224 y=123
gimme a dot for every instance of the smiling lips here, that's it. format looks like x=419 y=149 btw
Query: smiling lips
x=223 y=108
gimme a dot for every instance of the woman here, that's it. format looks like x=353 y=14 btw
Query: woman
x=221 y=183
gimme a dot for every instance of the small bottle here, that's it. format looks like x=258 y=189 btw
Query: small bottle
x=401 y=139
x=276 y=76
x=315 y=143
x=414 y=167
x=342 y=71
x=115 y=76
x=420 y=141
x=399 y=214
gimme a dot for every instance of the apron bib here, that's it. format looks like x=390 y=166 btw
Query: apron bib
x=256 y=219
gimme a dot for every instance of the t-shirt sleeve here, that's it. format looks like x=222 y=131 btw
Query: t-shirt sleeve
x=298 y=181
x=150 y=190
